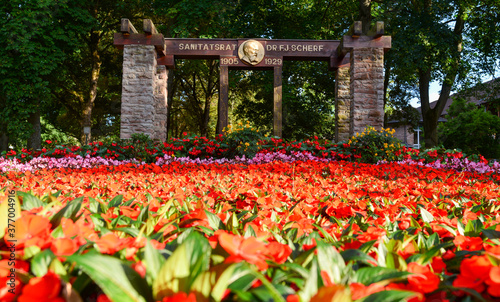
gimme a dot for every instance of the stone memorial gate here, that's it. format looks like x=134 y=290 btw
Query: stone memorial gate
x=357 y=59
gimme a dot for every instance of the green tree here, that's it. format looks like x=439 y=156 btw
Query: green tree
x=35 y=38
x=450 y=42
x=471 y=129
x=89 y=86
x=308 y=88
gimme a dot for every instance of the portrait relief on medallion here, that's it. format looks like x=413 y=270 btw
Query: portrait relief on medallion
x=251 y=52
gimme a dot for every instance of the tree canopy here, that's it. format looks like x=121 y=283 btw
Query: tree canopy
x=59 y=66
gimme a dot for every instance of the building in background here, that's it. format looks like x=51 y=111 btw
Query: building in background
x=485 y=95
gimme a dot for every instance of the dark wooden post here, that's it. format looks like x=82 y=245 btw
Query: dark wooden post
x=223 y=99
x=278 y=96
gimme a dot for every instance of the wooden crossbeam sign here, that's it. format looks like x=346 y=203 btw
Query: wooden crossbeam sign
x=253 y=54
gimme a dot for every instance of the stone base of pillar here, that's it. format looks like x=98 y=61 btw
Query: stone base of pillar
x=342 y=104
x=367 y=89
x=144 y=93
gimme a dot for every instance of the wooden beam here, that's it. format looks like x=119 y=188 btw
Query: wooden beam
x=340 y=62
x=168 y=61
x=377 y=30
x=222 y=110
x=356 y=29
x=349 y=42
x=148 y=27
x=278 y=97
x=134 y=38
x=127 y=27
x=341 y=51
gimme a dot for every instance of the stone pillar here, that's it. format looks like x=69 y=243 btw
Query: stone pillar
x=138 y=91
x=342 y=103
x=367 y=89
x=161 y=103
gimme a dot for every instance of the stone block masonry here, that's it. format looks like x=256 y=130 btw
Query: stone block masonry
x=144 y=93
x=342 y=104
x=367 y=89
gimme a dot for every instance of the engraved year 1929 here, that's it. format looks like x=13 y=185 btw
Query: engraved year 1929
x=273 y=61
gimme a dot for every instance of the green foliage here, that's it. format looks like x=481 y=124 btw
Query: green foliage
x=35 y=39
x=50 y=133
x=471 y=129
x=243 y=139
x=448 y=42
x=374 y=145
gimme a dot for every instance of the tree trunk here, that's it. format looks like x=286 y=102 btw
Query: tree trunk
x=209 y=93
x=35 y=140
x=365 y=14
x=431 y=116
x=94 y=78
x=4 y=141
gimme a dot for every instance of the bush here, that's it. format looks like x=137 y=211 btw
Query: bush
x=374 y=146
x=471 y=129
x=243 y=139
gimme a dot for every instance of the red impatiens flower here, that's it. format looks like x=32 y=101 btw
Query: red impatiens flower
x=64 y=246
x=423 y=280
x=110 y=243
x=103 y=298
x=359 y=290
x=468 y=243
x=32 y=230
x=42 y=289
x=244 y=249
x=493 y=282
x=473 y=273
x=278 y=252
x=180 y=297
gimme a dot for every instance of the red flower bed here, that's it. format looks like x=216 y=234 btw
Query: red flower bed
x=303 y=231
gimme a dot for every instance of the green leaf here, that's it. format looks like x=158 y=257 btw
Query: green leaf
x=94 y=206
x=116 y=201
x=491 y=234
x=389 y=296
x=357 y=255
x=214 y=282
x=180 y=270
x=40 y=263
x=311 y=285
x=214 y=221
x=426 y=215
x=369 y=275
x=330 y=260
x=460 y=227
x=131 y=231
x=29 y=201
x=243 y=280
x=473 y=228
x=273 y=292
x=144 y=214
x=118 y=281
x=69 y=211
x=57 y=267
x=31 y=251
x=153 y=261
